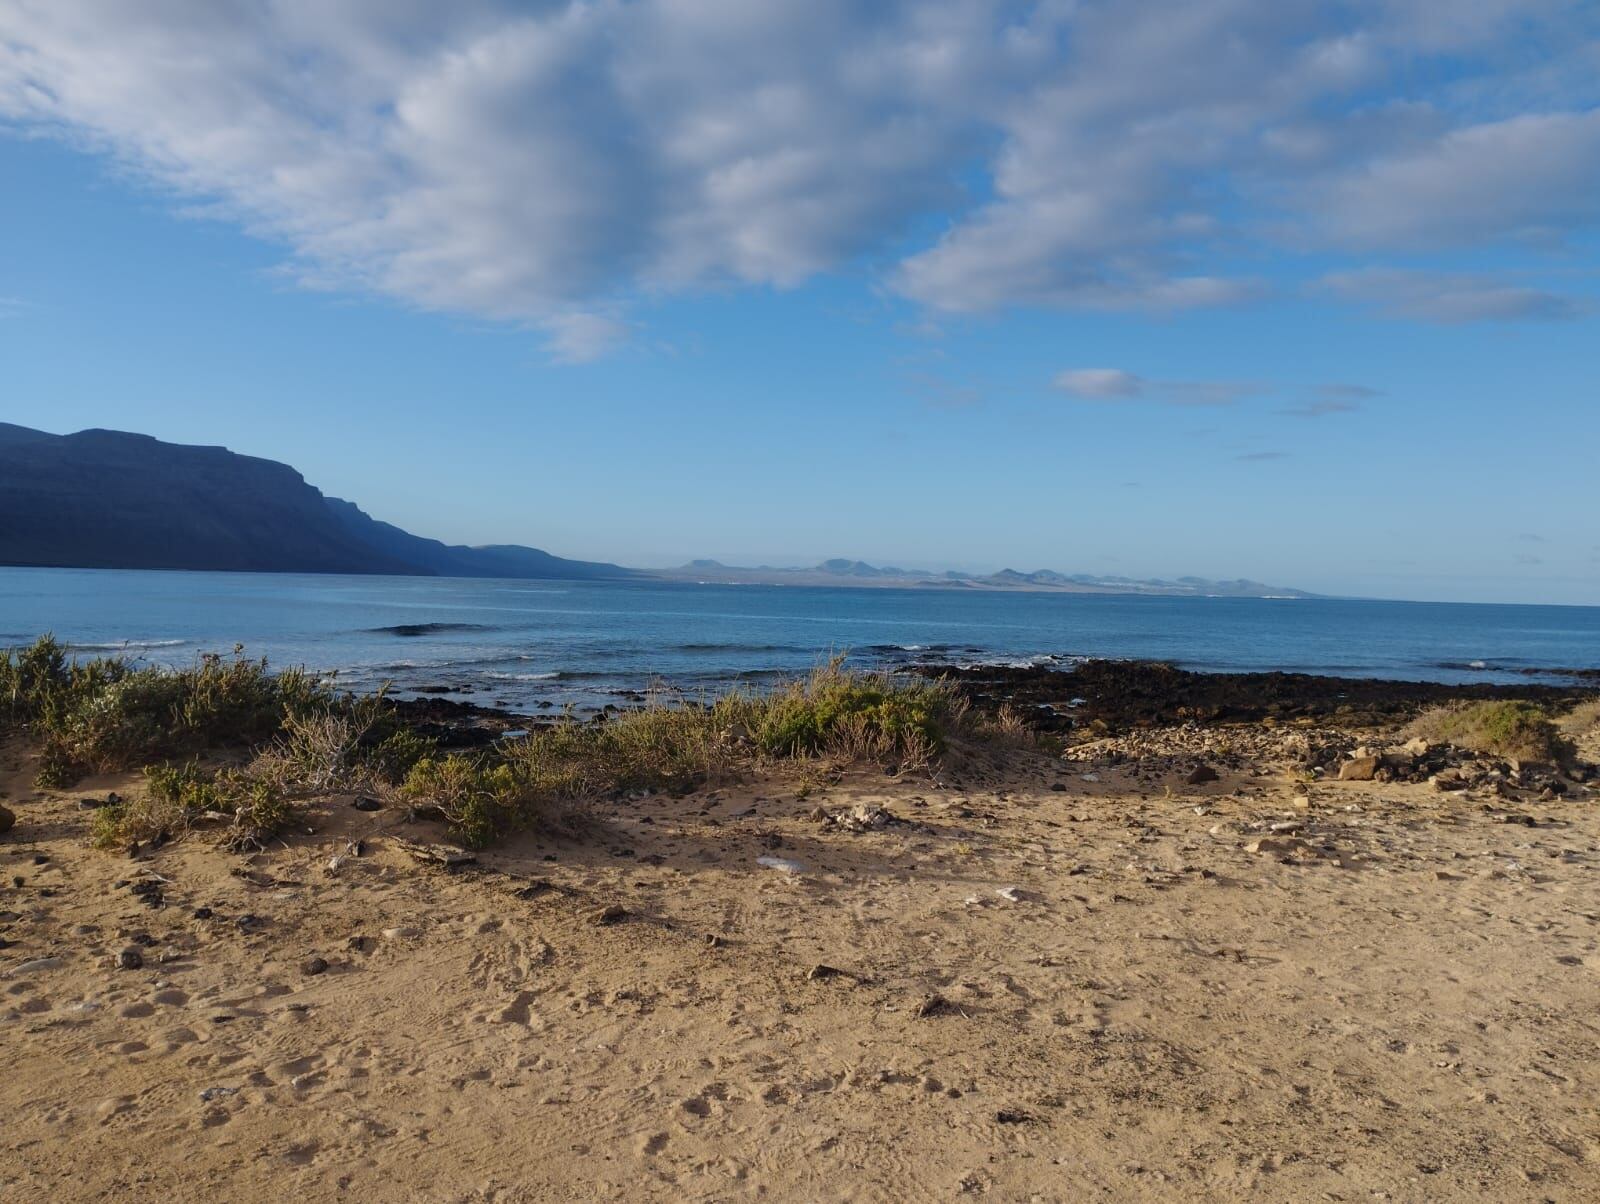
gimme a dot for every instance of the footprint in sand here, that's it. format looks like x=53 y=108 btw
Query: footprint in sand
x=651 y=1144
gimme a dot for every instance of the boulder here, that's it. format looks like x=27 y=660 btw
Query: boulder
x=1359 y=769
x=1399 y=759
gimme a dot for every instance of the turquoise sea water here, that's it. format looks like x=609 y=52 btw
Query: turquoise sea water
x=527 y=643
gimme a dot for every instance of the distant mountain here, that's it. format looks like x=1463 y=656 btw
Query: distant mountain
x=110 y=499
x=842 y=572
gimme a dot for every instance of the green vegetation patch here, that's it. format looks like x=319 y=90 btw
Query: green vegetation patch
x=1507 y=729
x=106 y=714
x=291 y=738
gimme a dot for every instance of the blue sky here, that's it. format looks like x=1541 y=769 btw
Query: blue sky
x=1304 y=293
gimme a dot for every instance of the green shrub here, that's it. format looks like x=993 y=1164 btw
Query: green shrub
x=260 y=812
x=479 y=798
x=1506 y=729
x=184 y=786
x=176 y=796
x=393 y=757
x=104 y=714
x=839 y=712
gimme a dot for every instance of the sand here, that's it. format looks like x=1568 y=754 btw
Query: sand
x=1050 y=988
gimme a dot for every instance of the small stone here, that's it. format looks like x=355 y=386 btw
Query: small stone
x=38 y=963
x=314 y=965
x=8 y=818
x=1302 y=802
x=614 y=914
x=1201 y=774
x=821 y=972
x=130 y=959
x=203 y=913
x=397 y=934
x=367 y=803
x=1277 y=846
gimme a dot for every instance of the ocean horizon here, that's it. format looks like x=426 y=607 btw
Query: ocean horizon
x=529 y=646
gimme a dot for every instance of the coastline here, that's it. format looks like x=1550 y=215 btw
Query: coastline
x=1185 y=947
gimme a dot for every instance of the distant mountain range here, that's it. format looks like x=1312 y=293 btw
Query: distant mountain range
x=859 y=573
x=110 y=499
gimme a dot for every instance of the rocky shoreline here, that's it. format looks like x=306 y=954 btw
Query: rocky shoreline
x=1084 y=699
x=1111 y=695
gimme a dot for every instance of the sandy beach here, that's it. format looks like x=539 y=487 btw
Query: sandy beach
x=1026 y=977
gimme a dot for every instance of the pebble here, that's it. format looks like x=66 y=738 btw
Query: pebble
x=399 y=934
x=38 y=963
x=130 y=959
x=314 y=965
x=785 y=864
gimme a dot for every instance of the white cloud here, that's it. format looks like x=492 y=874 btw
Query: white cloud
x=581 y=338
x=552 y=161
x=1114 y=384
x=1529 y=177
x=1100 y=383
x=1450 y=297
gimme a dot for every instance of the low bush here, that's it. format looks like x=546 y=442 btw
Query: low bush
x=393 y=757
x=1506 y=729
x=540 y=781
x=105 y=714
x=1583 y=718
x=175 y=796
x=108 y=714
x=322 y=751
x=479 y=798
x=835 y=711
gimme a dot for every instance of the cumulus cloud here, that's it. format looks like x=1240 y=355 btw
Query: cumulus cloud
x=1532 y=176
x=554 y=162
x=1451 y=297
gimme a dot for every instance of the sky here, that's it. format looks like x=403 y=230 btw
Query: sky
x=1302 y=292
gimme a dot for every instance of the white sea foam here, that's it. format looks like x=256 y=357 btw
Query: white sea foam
x=128 y=646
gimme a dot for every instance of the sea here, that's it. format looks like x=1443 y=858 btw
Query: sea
x=531 y=646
